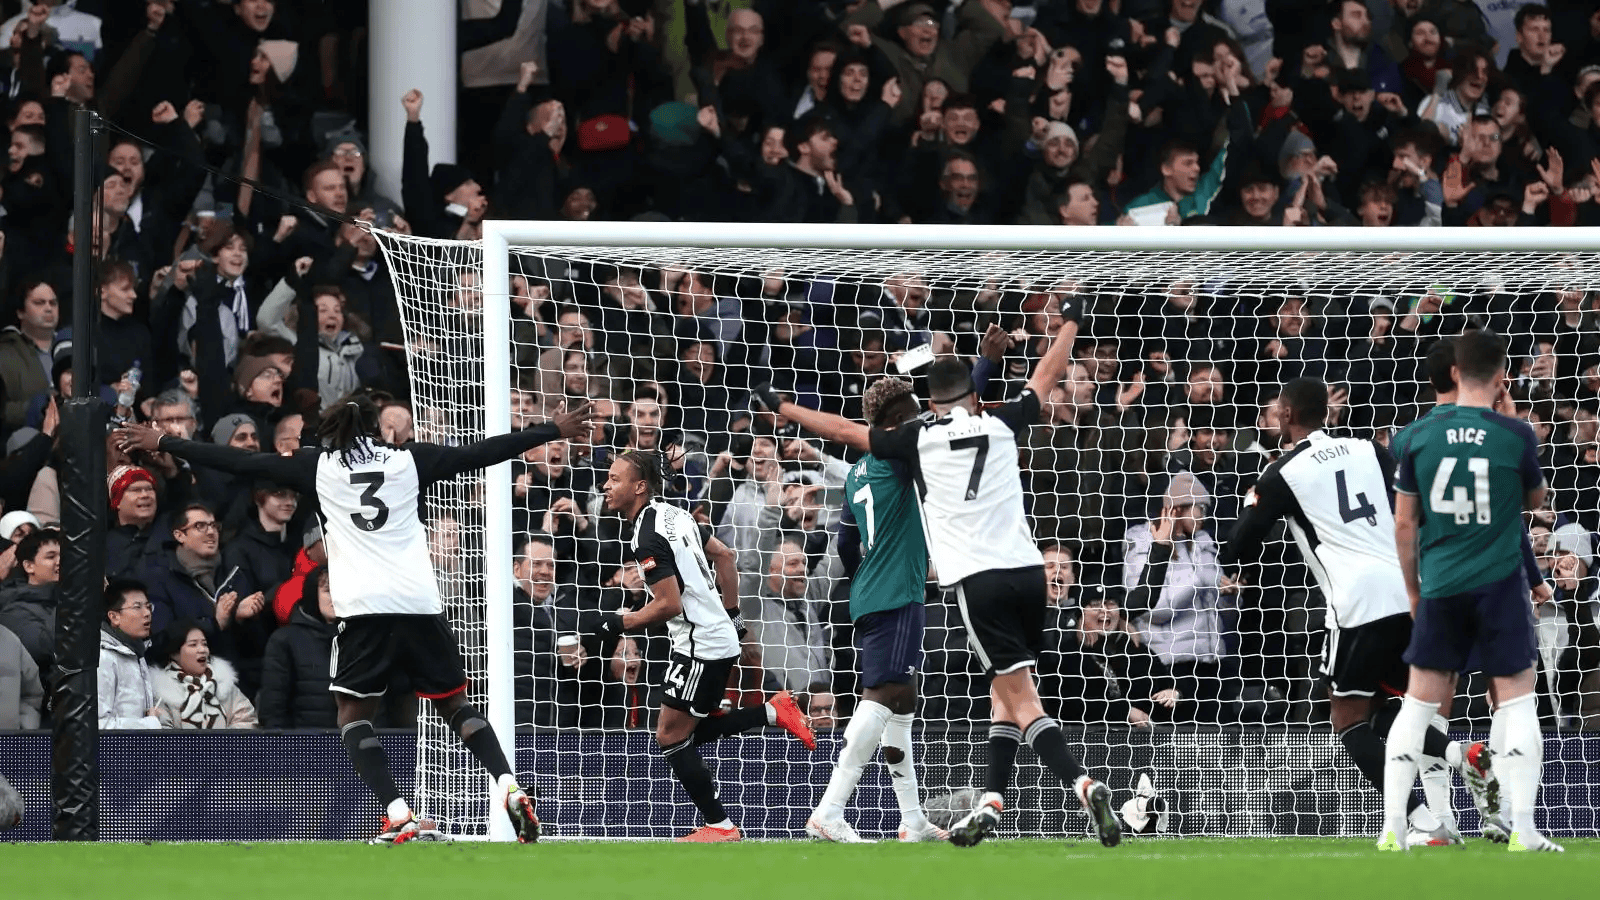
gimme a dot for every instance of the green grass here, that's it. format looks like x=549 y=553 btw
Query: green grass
x=1285 y=869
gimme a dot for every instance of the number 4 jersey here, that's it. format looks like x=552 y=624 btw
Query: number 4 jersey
x=1336 y=496
x=1469 y=469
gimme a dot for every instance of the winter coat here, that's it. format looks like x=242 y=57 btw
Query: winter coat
x=265 y=559
x=21 y=691
x=1184 y=620
x=184 y=703
x=295 y=673
x=175 y=594
x=126 y=695
x=29 y=612
x=22 y=374
x=131 y=550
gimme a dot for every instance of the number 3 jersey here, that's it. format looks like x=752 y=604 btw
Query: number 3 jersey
x=1336 y=495
x=369 y=503
x=966 y=470
x=377 y=547
x=1469 y=469
x=668 y=543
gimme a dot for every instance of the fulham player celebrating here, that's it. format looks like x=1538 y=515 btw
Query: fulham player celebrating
x=964 y=462
x=384 y=589
x=701 y=611
x=1337 y=494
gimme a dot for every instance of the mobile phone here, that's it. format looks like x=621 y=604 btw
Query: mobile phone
x=914 y=359
x=1441 y=81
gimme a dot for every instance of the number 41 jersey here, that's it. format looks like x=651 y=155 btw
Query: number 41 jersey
x=377 y=548
x=1469 y=469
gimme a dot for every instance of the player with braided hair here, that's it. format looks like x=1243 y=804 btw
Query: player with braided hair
x=384 y=589
x=700 y=607
x=886 y=555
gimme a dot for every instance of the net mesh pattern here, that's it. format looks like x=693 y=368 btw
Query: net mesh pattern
x=1178 y=358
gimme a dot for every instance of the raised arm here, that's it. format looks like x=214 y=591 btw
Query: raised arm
x=298 y=471
x=1053 y=367
x=436 y=462
x=825 y=425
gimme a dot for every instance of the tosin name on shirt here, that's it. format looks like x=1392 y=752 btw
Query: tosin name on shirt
x=1465 y=435
x=1330 y=453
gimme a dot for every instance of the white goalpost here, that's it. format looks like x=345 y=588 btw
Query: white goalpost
x=1189 y=333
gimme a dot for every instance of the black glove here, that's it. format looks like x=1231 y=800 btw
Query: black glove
x=609 y=625
x=1071 y=308
x=735 y=616
x=766 y=397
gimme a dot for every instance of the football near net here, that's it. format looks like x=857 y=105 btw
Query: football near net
x=1205 y=715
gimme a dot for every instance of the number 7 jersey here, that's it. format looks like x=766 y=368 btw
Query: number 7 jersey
x=966 y=470
x=1469 y=469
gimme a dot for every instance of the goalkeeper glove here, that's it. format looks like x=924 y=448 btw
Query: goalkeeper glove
x=737 y=617
x=769 y=399
x=609 y=625
x=1071 y=308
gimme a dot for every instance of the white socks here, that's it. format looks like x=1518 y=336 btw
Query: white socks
x=507 y=784
x=1519 y=765
x=1436 y=781
x=1404 y=746
x=861 y=738
x=902 y=773
x=772 y=713
x=399 y=810
x=1497 y=746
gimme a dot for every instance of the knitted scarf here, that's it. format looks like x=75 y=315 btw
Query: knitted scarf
x=203 y=569
x=200 y=706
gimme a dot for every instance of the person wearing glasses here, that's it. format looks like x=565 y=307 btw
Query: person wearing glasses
x=190 y=582
x=127 y=699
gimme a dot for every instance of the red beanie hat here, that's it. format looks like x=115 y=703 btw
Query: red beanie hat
x=122 y=478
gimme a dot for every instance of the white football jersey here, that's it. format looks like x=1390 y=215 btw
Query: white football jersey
x=377 y=546
x=970 y=484
x=667 y=543
x=1338 y=498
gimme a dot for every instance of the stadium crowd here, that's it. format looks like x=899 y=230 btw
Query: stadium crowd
x=231 y=313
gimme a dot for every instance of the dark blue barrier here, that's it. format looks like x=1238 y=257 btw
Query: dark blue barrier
x=299 y=786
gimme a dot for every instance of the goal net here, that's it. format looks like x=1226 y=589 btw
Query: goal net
x=1207 y=701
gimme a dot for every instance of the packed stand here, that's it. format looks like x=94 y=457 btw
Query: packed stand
x=232 y=315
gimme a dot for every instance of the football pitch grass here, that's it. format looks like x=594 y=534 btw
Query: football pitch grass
x=1283 y=869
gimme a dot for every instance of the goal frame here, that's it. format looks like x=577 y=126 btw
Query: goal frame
x=500 y=237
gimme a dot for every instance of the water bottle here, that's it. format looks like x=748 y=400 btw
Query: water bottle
x=126 y=396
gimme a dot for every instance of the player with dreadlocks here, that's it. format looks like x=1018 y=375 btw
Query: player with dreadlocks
x=700 y=607
x=888 y=572
x=369 y=495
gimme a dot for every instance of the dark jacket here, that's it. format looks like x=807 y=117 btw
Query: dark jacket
x=29 y=611
x=22 y=374
x=295 y=672
x=130 y=551
x=1099 y=683
x=175 y=594
x=265 y=559
x=549 y=696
